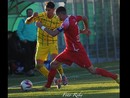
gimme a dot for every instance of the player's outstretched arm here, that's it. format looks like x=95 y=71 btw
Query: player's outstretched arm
x=86 y=29
x=85 y=21
x=30 y=19
x=51 y=32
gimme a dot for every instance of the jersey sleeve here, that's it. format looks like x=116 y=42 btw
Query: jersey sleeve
x=78 y=18
x=64 y=25
x=40 y=15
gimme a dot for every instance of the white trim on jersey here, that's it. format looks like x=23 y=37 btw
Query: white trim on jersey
x=75 y=48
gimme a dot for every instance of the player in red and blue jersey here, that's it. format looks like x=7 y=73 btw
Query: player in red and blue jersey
x=74 y=51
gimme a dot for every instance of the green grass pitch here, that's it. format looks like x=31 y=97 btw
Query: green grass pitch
x=82 y=84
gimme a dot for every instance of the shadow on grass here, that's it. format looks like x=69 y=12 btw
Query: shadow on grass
x=39 y=89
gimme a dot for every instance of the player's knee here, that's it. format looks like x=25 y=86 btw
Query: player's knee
x=38 y=66
x=92 y=71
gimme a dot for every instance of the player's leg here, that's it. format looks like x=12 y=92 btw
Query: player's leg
x=60 y=71
x=62 y=75
x=83 y=61
x=63 y=57
x=52 y=73
x=100 y=71
x=41 y=68
x=104 y=73
x=40 y=56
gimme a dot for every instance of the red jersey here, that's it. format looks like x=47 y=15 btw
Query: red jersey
x=71 y=33
x=74 y=52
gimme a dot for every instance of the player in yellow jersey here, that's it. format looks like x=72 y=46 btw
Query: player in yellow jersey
x=45 y=43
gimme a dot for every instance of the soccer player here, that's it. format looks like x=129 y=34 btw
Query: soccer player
x=74 y=51
x=45 y=43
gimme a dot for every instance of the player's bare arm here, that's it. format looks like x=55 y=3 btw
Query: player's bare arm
x=29 y=19
x=51 y=32
x=85 y=30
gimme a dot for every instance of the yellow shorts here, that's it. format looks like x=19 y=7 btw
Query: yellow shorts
x=43 y=51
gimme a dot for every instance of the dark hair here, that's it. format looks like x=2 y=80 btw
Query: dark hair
x=61 y=10
x=50 y=5
x=28 y=10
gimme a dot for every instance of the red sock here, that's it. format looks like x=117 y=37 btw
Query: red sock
x=51 y=76
x=105 y=73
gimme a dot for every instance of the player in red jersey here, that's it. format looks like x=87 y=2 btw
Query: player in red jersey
x=74 y=51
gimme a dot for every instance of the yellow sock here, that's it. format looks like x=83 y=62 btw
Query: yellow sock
x=60 y=70
x=43 y=70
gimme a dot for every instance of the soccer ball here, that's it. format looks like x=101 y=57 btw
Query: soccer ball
x=26 y=85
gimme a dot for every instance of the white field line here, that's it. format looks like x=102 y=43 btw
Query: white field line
x=67 y=77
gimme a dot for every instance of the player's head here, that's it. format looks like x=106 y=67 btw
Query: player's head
x=49 y=8
x=61 y=12
x=29 y=12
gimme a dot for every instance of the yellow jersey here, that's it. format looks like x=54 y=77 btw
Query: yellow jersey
x=43 y=38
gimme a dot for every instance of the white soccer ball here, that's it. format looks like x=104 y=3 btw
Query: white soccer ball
x=26 y=85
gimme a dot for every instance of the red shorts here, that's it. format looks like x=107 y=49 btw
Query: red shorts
x=69 y=57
